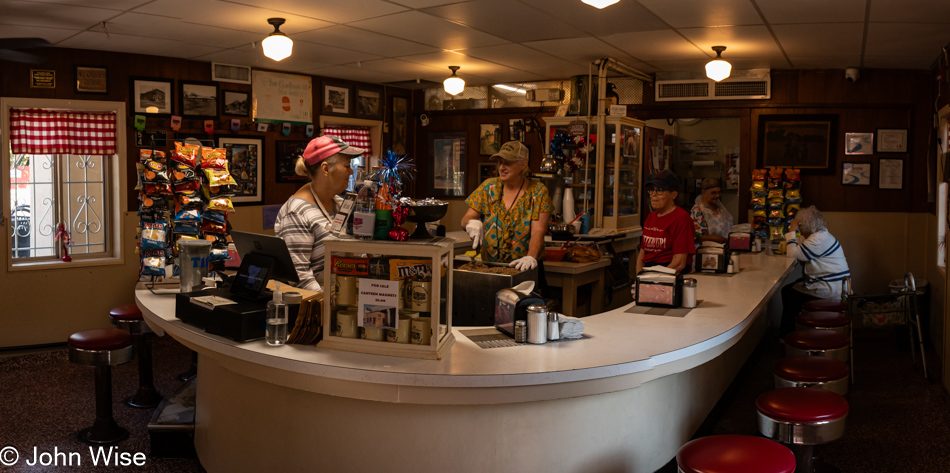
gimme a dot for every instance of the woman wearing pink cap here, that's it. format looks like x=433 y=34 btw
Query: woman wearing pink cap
x=304 y=220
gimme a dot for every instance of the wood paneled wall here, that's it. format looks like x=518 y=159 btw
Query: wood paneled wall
x=15 y=82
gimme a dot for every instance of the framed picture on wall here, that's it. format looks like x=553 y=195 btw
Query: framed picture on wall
x=151 y=96
x=369 y=103
x=892 y=140
x=856 y=174
x=244 y=160
x=489 y=138
x=198 y=99
x=287 y=152
x=400 y=124
x=858 y=143
x=235 y=103
x=91 y=80
x=447 y=163
x=797 y=141
x=516 y=129
x=336 y=99
x=487 y=171
x=890 y=173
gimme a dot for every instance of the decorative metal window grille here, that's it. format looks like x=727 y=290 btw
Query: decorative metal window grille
x=49 y=189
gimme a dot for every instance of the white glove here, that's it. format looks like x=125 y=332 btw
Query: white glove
x=524 y=264
x=475 y=228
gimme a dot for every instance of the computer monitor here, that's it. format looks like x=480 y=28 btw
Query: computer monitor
x=267 y=245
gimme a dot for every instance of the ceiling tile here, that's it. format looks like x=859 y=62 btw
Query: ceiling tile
x=120 y=5
x=655 y=45
x=367 y=41
x=136 y=44
x=53 y=35
x=404 y=70
x=899 y=62
x=618 y=18
x=423 y=3
x=329 y=54
x=62 y=16
x=337 y=12
x=826 y=39
x=352 y=73
x=428 y=29
x=468 y=65
x=518 y=57
x=511 y=25
x=231 y=15
x=911 y=11
x=249 y=56
x=683 y=14
x=740 y=41
x=699 y=67
x=910 y=39
x=580 y=51
x=826 y=62
x=813 y=11
x=177 y=29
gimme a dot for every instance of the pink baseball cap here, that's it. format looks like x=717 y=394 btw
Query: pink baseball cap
x=322 y=147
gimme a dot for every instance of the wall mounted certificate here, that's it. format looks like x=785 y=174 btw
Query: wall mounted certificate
x=892 y=140
x=282 y=98
x=891 y=173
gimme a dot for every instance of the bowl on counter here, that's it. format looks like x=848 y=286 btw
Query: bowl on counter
x=554 y=253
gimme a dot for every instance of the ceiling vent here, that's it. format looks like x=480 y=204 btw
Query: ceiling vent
x=753 y=84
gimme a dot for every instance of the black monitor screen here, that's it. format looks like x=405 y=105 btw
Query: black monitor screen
x=282 y=268
x=252 y=276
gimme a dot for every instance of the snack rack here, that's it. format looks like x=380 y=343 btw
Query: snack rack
x=438 y=254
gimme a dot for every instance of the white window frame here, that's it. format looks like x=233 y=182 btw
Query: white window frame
x=115 y=186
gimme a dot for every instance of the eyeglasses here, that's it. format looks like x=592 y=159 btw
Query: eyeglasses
x=656 y=190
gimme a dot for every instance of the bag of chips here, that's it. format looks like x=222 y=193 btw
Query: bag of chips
x=186 y=154
x=155 y=172
x=759 y=174
x=187 y=222
x=153 y=263
x=214 y=158
x=777 y=193
x=153 y=235
x=221 y=204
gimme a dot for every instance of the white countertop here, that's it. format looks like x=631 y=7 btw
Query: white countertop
x=620 y=343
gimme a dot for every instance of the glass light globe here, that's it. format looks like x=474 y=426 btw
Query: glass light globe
x=454 y=85
x=600 y=3
x=718 y=69
x=277 y=46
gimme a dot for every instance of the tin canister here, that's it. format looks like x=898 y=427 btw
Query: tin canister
x=537 y=324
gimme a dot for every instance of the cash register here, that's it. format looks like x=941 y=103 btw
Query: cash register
x=238 y=311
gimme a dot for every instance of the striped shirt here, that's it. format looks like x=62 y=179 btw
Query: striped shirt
x=302 y=226
x=824 y=262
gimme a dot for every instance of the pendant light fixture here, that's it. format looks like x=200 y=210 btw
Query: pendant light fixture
x=718 y=69
x=277 y=45
x=600 y=3
x=454 y=84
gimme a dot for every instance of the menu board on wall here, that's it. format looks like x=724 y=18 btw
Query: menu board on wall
x=282 y=98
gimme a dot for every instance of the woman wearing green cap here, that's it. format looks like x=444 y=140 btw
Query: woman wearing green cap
x=508 y=215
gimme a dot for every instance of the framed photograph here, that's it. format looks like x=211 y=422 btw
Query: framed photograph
x=856 y=174
x=336 y=99
x=244 y=161
x=91 y=80
x=198 y=99
x=797 y=141
x=487 y=171
x=235 y=103
x=890 y=173
x=858 y=143
x=516 y=129
x=151 y=93
x=400 y=124
x=447 y=158
x=287 y=154
x=489 y=138
x=369 y=103
x=892 y=140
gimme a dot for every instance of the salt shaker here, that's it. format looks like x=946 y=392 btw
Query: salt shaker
x=554 y=332
x=689 y=293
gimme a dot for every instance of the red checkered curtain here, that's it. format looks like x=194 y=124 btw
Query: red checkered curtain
x=357 y=136
x=40 y=131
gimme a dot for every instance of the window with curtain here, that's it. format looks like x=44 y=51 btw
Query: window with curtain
x=357 y=136
x=61 y=172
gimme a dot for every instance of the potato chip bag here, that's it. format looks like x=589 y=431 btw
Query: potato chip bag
x=186 y=154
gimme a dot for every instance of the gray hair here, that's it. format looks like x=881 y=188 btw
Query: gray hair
x=810 y=220
x=301 y=168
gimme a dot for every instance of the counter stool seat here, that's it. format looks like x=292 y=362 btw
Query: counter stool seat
x=838 y=321
x=102 y=348
x=802 y=418
x=826 y=305
x=129 y=317
x=811 y=371
x=827 y=343
x=734 y=454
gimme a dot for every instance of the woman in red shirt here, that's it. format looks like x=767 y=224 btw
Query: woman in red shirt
x=667 y=231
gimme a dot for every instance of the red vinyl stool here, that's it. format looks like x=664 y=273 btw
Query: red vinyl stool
x=811 y=371
x=826 y=305
x=802 y=418
x=837 y=321
x=129 y=317
x=734 y=454
x=827 y=343
x=102 y=348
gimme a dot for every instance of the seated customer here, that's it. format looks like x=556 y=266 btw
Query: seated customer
x=823 y=260
x=711 y=220
x=667 y=231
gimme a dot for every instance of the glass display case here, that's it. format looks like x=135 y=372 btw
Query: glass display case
x=388 y=297
x=611 y=182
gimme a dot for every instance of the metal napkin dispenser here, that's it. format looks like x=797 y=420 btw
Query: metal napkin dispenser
x=740 y=241
x=659 y=289
x=511 y=306
x=712 y=258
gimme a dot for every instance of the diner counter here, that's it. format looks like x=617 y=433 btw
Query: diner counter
x=654 y=368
